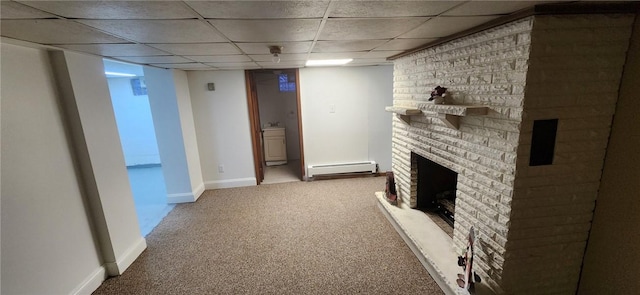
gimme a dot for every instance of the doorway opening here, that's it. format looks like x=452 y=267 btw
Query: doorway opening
x=139 y=145
x=274 y=112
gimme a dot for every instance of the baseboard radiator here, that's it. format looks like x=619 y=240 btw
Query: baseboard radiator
x=326 y=169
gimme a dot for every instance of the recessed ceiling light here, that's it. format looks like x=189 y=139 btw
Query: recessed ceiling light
x=116 y=74
x=328 y=62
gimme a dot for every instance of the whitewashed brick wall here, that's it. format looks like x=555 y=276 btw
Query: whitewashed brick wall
x=532 y=222
x=575 y=67
x=487 y=68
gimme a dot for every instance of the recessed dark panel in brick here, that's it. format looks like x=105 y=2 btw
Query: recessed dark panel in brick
x=543 y=142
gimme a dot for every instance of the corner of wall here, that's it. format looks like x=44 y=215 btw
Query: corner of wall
x=92 y=282
x=188 y=197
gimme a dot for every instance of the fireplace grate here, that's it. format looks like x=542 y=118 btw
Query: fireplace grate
x=446 y=209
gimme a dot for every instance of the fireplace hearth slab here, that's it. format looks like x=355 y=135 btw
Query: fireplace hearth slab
x=432 y=246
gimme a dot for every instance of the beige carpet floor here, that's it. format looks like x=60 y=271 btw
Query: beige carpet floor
x=320 y=237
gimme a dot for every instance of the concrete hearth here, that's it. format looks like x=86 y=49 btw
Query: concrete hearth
x=432 y=246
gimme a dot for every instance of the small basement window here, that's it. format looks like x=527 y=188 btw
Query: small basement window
x=287 y=84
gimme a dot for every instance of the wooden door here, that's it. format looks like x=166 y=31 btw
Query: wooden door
x=256 y=129
x=302 y=168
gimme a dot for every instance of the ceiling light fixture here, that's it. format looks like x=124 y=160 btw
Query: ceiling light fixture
x=328 y=62
x=276 y=51
x=119 y=74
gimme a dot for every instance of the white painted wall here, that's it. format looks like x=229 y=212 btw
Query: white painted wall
x=188 y=130
x=47 y=243
x=222 y=127
x=84 y=93
x=171 y=118
x=359 y=129
x=135 y=124
x=276 y=106
x=380 y=126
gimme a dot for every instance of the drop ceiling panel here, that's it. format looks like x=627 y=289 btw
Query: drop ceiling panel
x=116 y=9
x=208 y=68
x=282 y=65
x=404 y=44
x=287 y=47
x=115 y=49
x=390 y=8
x=14 y=10
x=268 y=30
x=198 y=49
x=381 y=54
x=259 y=9
x=371 y=61
x=237 y=34
x=219 y=58
x=489 y=8
x=54 y=31
x=359 y=29
x=182 y=66
x=444 y=26
x=283 y=57
x=159 y=31
x=154 y=59
x=351 y=64
x=232 y=64
x=336 y=55
x=257 y=67
x=346 y=45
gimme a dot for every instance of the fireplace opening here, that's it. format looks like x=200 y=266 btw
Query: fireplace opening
x=436 y=188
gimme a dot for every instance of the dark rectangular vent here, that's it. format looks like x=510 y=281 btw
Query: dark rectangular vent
x=543 y=142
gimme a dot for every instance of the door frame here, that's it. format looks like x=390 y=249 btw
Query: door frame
x=254 y=122
x=256 y=129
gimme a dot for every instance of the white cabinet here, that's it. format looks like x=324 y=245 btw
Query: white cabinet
x=275 y=146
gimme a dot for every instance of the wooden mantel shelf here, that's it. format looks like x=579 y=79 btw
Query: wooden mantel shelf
x=449 y=114
x=405 y=113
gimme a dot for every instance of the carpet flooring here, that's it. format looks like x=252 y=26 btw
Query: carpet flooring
x=320 y=237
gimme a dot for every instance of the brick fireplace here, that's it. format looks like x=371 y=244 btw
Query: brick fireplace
x=540 y=77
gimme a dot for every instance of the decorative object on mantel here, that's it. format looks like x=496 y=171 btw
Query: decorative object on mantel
x=438 y=94
x=390 y=189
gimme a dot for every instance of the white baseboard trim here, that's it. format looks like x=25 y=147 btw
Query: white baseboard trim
x=198 y=191
x=229 y=183
x=131 y=254
x=91 y=282
x=126 y=259
x=181 y=198
x=189 y=197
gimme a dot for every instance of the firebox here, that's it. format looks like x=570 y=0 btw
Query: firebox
x=436 y=187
